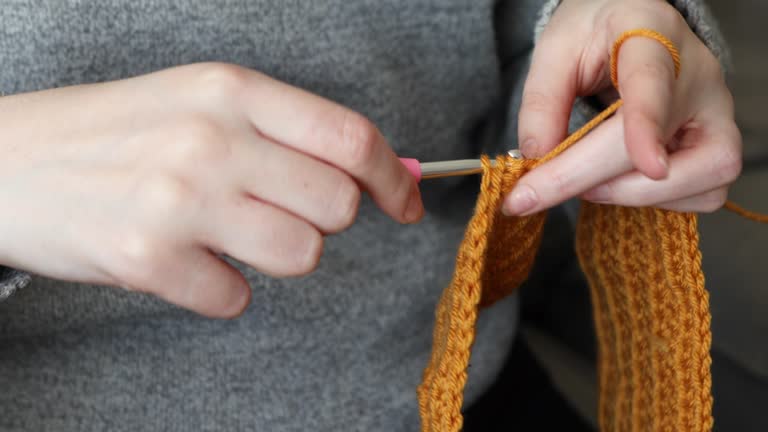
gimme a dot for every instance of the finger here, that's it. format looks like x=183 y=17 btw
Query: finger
x=267 y=238
x=711 y=164
x=646 y=75
x=706 y=202
x=338 y=136
x=548 y=95
x=203 y=283
x=597 y=158
x=321 y=194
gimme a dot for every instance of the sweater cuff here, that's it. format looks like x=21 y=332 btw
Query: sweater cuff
x=695 y=12
x=12 y=280
x=545 y=15
x=699 y=17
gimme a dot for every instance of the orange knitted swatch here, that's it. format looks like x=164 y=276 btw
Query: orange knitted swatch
x=651 y=310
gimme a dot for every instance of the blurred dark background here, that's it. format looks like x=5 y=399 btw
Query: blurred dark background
x=736 y=251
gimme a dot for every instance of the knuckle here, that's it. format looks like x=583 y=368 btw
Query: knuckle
x=729 y=163
x=668 y=16
x=138 y=262
x=165 y=196
x=613 y=19
x=200 y=138
x=359 y=137
x=618 y=17
x=345 y=205
x=730 y=166
x=714 y=200
x=307 y=255
x=220 y=81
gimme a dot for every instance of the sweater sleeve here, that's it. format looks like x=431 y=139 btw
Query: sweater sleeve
x=699 y=17
x=11 y=280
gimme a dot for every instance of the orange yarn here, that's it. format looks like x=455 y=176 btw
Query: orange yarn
x=651 y=310
x=652 y=34
x=741 y=211
x=485 y=271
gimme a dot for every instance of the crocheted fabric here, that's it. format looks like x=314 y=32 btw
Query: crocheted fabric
x=486 y=270
x=651 y=310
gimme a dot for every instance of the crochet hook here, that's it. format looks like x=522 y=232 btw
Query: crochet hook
x=451 y=168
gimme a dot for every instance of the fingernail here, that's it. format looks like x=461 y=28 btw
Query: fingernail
x=521 y=200
x=600 y=194
x=664 y=161
x=415 y=209
x=530 y=148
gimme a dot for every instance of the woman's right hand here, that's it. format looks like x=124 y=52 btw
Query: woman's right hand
x=142 y=183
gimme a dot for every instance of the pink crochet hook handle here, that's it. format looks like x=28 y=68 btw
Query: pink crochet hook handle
x=430 y=170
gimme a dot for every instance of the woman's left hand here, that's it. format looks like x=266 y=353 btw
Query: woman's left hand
x=674 y=144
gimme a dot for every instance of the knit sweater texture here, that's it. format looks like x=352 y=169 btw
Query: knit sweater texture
x=343 y=348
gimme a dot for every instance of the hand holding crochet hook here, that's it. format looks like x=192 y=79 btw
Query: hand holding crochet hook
x=674 y=144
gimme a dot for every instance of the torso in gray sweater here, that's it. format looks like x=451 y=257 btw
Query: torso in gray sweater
x=342 y=349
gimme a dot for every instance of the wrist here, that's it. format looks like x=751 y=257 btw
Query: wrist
x=702 y=22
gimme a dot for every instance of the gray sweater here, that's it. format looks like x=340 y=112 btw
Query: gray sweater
x=342 y=349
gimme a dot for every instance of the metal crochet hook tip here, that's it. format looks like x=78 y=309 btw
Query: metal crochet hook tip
x=431 y=170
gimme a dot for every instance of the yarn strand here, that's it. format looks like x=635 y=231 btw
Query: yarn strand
x=748 y=214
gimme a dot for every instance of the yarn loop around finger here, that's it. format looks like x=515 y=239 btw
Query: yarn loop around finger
x=647 y=33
